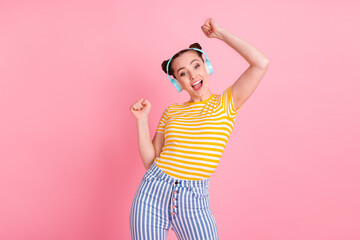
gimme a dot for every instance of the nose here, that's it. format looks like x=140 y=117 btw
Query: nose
x=192 y=74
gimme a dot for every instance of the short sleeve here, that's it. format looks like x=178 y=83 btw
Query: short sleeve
x=162 y=122
x=228 y=103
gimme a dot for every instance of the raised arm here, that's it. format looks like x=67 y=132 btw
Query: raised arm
x=148 y=149
x=246 y=84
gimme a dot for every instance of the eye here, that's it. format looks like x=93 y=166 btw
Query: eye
x=182 y=74
x=197 y=66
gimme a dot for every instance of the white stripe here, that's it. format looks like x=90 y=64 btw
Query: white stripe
x=217 y=125
x=198 y=131
x=198 y=135
x=173 y=139
x=174 y=148
x=198 y=145
x=185 y=159
x=185 y=175
x=199 y=119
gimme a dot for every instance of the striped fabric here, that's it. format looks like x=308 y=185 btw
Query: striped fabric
x=164 y=203
x=195 y=136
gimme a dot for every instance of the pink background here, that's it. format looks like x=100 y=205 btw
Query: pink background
x=69 y=71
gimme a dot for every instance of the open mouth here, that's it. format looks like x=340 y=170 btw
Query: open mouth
x=197 y=85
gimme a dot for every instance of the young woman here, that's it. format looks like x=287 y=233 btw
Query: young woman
x=188 y=143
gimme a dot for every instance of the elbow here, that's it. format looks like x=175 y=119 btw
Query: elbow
x=148 y=165
x=265 y=63
x=262 y=65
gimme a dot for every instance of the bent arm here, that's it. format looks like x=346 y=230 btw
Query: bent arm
x=148 y=149
x=246 y=84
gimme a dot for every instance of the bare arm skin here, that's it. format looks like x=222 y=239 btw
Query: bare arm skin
x=158 y=143
x=248 y=81
x=148 y=149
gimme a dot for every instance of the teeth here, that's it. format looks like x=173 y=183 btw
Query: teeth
x=196 y=82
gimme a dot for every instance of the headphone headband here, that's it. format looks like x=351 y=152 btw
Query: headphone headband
x=196 y=49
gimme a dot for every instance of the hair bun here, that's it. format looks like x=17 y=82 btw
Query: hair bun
x=163 y=66
x=195 y=45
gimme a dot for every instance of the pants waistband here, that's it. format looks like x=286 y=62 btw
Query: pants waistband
x=155 y=172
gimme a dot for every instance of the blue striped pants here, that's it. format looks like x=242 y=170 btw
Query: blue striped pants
x=163 y=202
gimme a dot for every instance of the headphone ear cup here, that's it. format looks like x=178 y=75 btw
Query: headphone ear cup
x=209 y=68
x=176 y=84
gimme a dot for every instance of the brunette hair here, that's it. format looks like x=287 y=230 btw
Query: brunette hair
x=171 y=70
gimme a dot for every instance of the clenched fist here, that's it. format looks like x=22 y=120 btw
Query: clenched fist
x=211 y=29
x=141 y=108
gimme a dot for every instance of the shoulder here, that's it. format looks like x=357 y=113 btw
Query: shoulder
x=226 y=94
x=222 y=94
x=173 y=107
x=227 y=90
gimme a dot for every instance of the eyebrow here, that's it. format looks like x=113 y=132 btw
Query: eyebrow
x=190 y=64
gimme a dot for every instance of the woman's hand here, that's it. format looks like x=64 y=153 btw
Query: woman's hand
x=211 y=29
x=140 y=109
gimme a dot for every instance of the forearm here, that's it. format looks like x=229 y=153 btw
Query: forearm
x=251 y=54
x=146 y=147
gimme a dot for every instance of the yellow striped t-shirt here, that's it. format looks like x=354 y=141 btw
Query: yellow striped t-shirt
x=195 y=136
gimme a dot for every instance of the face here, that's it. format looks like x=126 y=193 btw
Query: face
x=190 y=71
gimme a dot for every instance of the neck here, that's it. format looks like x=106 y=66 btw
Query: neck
x=201 y=97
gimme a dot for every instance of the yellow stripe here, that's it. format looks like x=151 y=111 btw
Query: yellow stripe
x=194 y=124
x=209 y=133
x=188 y=168
x=187 y=162
x=218 y=113
x=198 y=153
x=193 y=147
x=201 y=143
x=194 y=121
x=222 y=115
x=190 y=157
x=202 y=138
x=203 y=128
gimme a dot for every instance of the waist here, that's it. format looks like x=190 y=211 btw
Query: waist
x=156 y=172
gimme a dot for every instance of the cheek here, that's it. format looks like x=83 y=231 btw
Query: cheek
x=206 y=79
x=181 y=81
x=203 y=71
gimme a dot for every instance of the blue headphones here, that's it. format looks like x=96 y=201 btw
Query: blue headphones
x=176 y=84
